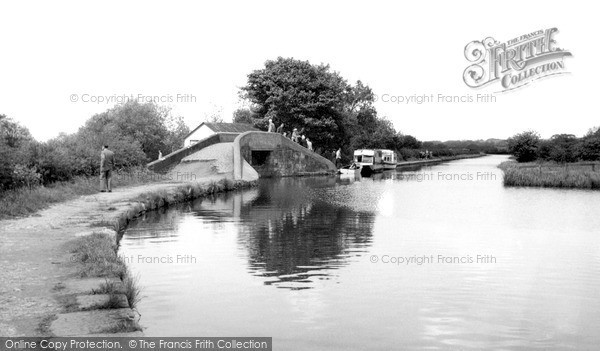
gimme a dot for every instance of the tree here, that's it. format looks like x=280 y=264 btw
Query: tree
x=331 y=112
x=358 y=97
x=150 y=126
x=134 y=131
x=12 y=134
x=560 y=148
x=595 y=131
x=243 y=115
x=177 y=130
x=302 y=96
x=524 y=146
x=407 y=142
x=215 y=115
x=372 y=132
x=16 y=145
x=588 y=147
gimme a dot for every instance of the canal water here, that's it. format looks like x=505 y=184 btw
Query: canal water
x=438 y=257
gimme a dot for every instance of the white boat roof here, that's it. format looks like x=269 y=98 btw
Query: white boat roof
x=366 y=152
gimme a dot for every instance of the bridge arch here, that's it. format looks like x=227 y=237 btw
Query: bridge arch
x=273 y=155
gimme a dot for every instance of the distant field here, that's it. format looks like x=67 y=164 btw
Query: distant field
x=581 y=175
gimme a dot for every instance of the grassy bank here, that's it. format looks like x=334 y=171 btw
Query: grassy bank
x=25 y=201
x=186 y=192
x=97 y=257
x=551 y=175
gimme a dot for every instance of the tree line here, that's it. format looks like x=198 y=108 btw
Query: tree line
x=332 y=112
x=528 y=147
x=134 y=131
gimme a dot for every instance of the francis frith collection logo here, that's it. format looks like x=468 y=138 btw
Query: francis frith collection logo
x=514 y=63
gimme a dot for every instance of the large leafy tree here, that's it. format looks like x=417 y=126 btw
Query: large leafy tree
x=152 y=127
x=303 y=96
x=370 y=131
x=134 y=131
x=131 y=120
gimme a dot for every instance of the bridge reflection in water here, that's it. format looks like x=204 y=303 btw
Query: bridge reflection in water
x=293 y=236
x=291 y=233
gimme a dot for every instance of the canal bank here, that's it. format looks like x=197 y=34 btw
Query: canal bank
x=43 y=292
x=436 y=160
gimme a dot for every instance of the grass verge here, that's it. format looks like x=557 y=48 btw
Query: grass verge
x=551 y=175
x=97 y=255
x=158 y=199
x=25 y=201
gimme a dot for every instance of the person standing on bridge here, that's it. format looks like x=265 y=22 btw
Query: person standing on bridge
x=271 y=126
x=295 y=135
x=338 y=157
x=107 y=164
x=303 y=141
x=309 y=144
x=280 y=129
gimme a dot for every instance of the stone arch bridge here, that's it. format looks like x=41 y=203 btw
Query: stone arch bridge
x=245 y=156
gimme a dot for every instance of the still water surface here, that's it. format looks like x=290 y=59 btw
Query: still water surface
x=333 y=263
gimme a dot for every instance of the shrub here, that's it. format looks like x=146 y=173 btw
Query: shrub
x=26 y=176
x=524 y=146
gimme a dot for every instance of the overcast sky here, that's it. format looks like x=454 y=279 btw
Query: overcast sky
x=56 y=52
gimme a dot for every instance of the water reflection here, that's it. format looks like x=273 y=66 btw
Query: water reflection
x=291 y=231
x=295 y=236
x=159 y=225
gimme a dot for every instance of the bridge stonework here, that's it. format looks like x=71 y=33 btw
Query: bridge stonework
x=268 y=154
x=171 y=160
x=272 y=155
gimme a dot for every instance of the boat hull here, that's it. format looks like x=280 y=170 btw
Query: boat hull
x=345 y=172
x=389 y=165
x=367 y=170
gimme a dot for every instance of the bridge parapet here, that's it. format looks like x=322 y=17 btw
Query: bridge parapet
x=169 y=161
x=273 y=155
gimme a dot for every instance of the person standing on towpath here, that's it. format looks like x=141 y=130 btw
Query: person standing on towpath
x=107 y=164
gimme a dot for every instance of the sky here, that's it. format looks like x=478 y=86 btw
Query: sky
x=59 y=59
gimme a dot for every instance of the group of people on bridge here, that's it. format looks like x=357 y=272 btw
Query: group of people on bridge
x=296 y=136
x=299 y=137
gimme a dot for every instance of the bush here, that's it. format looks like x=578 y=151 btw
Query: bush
x=26 y=176
x=524 y=146
x=589 y=148
x=408 y=154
